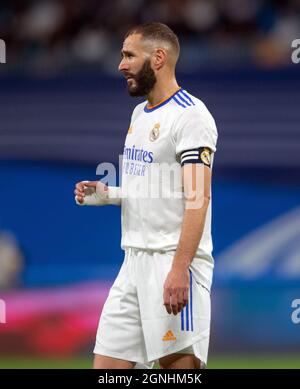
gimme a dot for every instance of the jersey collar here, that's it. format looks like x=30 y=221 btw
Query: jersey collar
x=163 y=102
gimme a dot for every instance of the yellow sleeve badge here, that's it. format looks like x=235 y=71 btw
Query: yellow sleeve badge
x=205 y=156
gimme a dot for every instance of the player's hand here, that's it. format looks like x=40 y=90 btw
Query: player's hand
x=84 y=188
x=176 y=289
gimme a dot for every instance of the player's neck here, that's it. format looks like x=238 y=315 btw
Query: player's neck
x=162 y=91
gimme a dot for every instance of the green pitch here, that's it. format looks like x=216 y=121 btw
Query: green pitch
x=215 y=362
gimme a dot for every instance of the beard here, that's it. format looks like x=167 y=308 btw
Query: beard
x=144 y=81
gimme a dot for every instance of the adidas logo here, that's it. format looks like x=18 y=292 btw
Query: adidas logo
x=169 y=336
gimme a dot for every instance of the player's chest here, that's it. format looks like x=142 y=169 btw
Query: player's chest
x=153 y=135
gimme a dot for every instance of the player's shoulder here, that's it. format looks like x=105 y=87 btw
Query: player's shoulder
x=188 y=103
x=189 y=106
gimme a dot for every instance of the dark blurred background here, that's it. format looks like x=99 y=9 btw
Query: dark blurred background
x=52 y=36
x=64 y=109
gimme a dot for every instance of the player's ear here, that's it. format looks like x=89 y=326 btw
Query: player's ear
x=160 y=57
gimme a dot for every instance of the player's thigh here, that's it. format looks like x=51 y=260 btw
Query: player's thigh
x=104 y=362
x=179 y=361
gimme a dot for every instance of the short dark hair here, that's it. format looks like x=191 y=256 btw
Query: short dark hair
x=156 y=31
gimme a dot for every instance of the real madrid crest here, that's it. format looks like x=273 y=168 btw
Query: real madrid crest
x=154 y=133
x=205 y=156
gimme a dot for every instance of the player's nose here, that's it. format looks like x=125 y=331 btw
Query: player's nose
x=123 y=66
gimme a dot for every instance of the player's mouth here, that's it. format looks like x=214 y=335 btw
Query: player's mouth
x=128 y=78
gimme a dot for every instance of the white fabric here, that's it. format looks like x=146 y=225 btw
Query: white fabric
x=134 y=321
x=151 y=220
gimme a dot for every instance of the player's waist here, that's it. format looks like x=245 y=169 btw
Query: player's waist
x=200 y=255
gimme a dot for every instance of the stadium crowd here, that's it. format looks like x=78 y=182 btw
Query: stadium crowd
x=54 y=34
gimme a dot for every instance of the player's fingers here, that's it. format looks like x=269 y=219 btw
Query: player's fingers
x=174 y=309
x=185 y=297
x=180 y=301
x=79 y=199
x=168 y=308
x=78 y=192
x=166 y=298
x=80 y=187
x=90 y=184
x=174 y=304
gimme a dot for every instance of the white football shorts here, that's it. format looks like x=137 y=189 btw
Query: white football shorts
x=134 y=324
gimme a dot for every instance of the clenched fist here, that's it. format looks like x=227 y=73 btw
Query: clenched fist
x=90 y=192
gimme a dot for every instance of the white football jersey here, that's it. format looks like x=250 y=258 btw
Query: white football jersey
x=160 y=139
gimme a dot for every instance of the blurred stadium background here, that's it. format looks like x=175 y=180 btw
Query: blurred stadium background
x=64 y=109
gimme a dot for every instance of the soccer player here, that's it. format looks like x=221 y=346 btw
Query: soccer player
x=158 y=308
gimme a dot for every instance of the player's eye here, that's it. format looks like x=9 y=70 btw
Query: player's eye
x=127 y=56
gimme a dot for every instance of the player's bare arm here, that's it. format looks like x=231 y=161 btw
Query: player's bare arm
x=197 y=184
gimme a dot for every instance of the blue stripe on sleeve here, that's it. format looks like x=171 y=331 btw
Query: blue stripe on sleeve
x=178 y=102
x=187 y=96
x=184 y=100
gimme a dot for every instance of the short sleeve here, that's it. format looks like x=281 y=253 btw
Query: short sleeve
x=195 y=128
